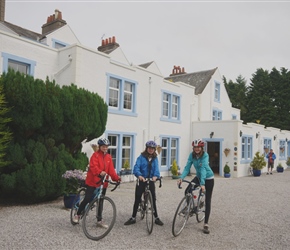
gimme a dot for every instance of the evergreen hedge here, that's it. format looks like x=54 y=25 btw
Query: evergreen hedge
x=48 y=124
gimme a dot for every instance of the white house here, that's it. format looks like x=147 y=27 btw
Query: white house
x=143 y=104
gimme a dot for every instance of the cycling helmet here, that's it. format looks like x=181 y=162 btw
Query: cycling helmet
x=151 y=144
x=104 y=141
x=198 y=143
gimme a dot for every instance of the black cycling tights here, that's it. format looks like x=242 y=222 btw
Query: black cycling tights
x=209 y=184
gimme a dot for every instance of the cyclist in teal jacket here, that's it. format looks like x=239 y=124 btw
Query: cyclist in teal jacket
x=204 y=176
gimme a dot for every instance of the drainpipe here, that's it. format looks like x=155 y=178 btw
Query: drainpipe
x=149 y=109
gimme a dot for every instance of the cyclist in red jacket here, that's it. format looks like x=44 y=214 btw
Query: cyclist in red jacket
x=101 y=163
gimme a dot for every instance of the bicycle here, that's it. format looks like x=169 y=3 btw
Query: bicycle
x=192 y=203
x=146 y=205
x=251 y=170
x=101 y=206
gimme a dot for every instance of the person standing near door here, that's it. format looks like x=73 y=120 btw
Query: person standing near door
x=271 y=158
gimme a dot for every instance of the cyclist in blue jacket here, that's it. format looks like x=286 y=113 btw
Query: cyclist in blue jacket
x=146 y=166
x=204 y=175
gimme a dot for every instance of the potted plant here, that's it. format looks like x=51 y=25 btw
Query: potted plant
x=227 y=171
x=288 y=162
x=126 y=168
x=258 y=163
x=174 y=170
x=280 y=168
x=73 y=181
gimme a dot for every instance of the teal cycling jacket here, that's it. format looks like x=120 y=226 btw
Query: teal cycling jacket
x=201 y=165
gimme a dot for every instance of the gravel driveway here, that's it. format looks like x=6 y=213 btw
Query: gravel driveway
x=247 y=213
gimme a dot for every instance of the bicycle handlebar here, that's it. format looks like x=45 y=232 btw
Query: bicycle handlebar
x=191 y=182
x=116 y=185
x=102 y=180
x=158 y=179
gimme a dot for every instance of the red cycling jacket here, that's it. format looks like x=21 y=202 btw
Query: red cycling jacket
x=100 y=162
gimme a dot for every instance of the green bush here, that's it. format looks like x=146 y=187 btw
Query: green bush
x=227 y=169
x=48 y=123
x=174 y=168
x=258 y=161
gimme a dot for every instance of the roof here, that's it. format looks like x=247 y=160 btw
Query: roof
x=145 y=65
x=197 y=79
x=23 y=32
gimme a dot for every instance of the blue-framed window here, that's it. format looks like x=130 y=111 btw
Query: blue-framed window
x=169 y=151
x=267 y=145
x=170 y=107
x=121 y=95
x=121 y=149
x=217 y=92
x=234 y=117
x=17 y=63
x=58 y=44
x=247 y=148
x=216 y=114
x=282 y=150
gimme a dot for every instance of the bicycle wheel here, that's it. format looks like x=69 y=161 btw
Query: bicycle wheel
x=78 y=199
x=100 y=209
x=200 y=210
x=181 y=215
x=149 y=211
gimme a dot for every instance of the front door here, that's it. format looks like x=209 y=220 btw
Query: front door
x=213 y=150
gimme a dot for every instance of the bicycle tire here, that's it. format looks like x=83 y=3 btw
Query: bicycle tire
x=200 y=210
x=181 y=215
x=149 y=211
x=90 y=218
x=78 y=199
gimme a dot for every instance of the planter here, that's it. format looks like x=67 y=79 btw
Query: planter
x=227 y=175
x=126 y=172
x=256 y=172
x=68 y=200
x=280 y=170
x=175 y=176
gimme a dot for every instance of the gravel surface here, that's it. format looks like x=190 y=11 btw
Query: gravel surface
x=247 y=213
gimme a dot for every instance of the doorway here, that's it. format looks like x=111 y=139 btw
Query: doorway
x=213 y=150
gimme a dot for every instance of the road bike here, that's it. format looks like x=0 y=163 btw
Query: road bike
x=193 y=203
x=145 y=208
x=101 y=208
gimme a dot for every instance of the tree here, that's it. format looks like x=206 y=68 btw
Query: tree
x=5 y=134
x=237 y=92
x=49 y=123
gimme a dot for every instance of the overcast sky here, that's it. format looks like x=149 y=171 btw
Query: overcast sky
x=236 y=36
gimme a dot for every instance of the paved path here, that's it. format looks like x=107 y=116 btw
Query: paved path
x=247 y=213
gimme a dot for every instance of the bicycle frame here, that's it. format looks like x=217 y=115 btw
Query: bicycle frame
x=192 y=203
x=146 y=204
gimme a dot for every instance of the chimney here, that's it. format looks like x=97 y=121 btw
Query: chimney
x=54 y=22
x=177 y=71
x=2 y=10
x=108 y=45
